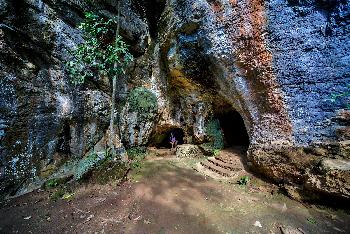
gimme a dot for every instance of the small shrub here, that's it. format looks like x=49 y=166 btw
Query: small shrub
x=102 y=53
x=52 y=183
x=243 y=180
x=137 y=152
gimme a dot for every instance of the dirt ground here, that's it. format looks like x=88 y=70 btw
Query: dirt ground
x=168 y=196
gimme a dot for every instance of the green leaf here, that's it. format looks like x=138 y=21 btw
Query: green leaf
x=111 y=58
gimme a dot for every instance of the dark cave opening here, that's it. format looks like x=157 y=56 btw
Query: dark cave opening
x=164 y=142
x=233 y=127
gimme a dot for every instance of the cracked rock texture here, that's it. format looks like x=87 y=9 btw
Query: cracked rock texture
x=276 y=63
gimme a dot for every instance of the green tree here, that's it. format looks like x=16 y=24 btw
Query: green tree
x=103 y=53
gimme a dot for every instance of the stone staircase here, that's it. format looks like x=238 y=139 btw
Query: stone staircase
x=228 y=164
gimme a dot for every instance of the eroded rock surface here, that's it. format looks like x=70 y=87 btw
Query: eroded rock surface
x=276 y=63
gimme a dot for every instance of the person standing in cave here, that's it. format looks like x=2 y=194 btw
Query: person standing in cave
x=173 y=142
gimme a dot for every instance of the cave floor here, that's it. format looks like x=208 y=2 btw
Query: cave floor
x=167 y=196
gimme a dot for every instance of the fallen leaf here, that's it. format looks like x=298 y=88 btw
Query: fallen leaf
x=26 y=218
x=68 y=196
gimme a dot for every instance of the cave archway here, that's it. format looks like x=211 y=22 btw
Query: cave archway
x=233 y=128
x=178 y=133
x=161 y=138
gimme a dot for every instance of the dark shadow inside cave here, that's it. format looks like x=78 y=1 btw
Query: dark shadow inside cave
x=151 y=10
x=234 y=130
x=164 y=139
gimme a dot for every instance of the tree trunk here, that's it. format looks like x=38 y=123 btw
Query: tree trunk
x=111 y=123
x=114 y=140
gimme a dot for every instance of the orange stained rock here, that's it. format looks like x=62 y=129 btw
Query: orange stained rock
x=254 y=59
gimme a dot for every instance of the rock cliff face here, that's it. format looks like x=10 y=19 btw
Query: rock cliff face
x=265 y=67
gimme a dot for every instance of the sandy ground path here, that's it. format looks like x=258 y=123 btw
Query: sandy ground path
x=168 y=196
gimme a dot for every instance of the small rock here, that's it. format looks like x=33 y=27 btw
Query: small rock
x=146 y=221
x=335 y=164
x=188 y=151
x=138 y=218
x=28 y=217
x=89 y=218
x=257 y=224
x=291 y=230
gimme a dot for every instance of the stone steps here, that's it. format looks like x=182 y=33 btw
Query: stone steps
x=230 y=160
x=228 y=164
x=217 y=169
x=224 y=164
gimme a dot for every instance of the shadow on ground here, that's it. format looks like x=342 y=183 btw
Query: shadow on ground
x=163 y=197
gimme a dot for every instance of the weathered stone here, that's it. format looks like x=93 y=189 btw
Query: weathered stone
x=277 y=63
x=137 y=117
x=188 y=151
x=291 y=230
x=42 y=114
x=335 y=164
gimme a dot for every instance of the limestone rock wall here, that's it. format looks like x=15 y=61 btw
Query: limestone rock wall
x=45 y=119
x=311 y=60
x=277 y=63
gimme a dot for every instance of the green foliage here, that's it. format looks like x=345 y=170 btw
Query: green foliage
x=243 y=180
x=144 y=102
x=102 y=53
x=336 y=96
x=216 y=137
x=68 y=196
x=137 y=152
x=62 y=193
x=216 y=152
x=52 y=183
x=137 y=155
x=57 y=194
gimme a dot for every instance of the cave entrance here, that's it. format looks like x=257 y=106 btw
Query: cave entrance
x=234 y=130
x=178 y=133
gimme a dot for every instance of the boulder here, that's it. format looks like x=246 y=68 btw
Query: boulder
x=188 y=151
